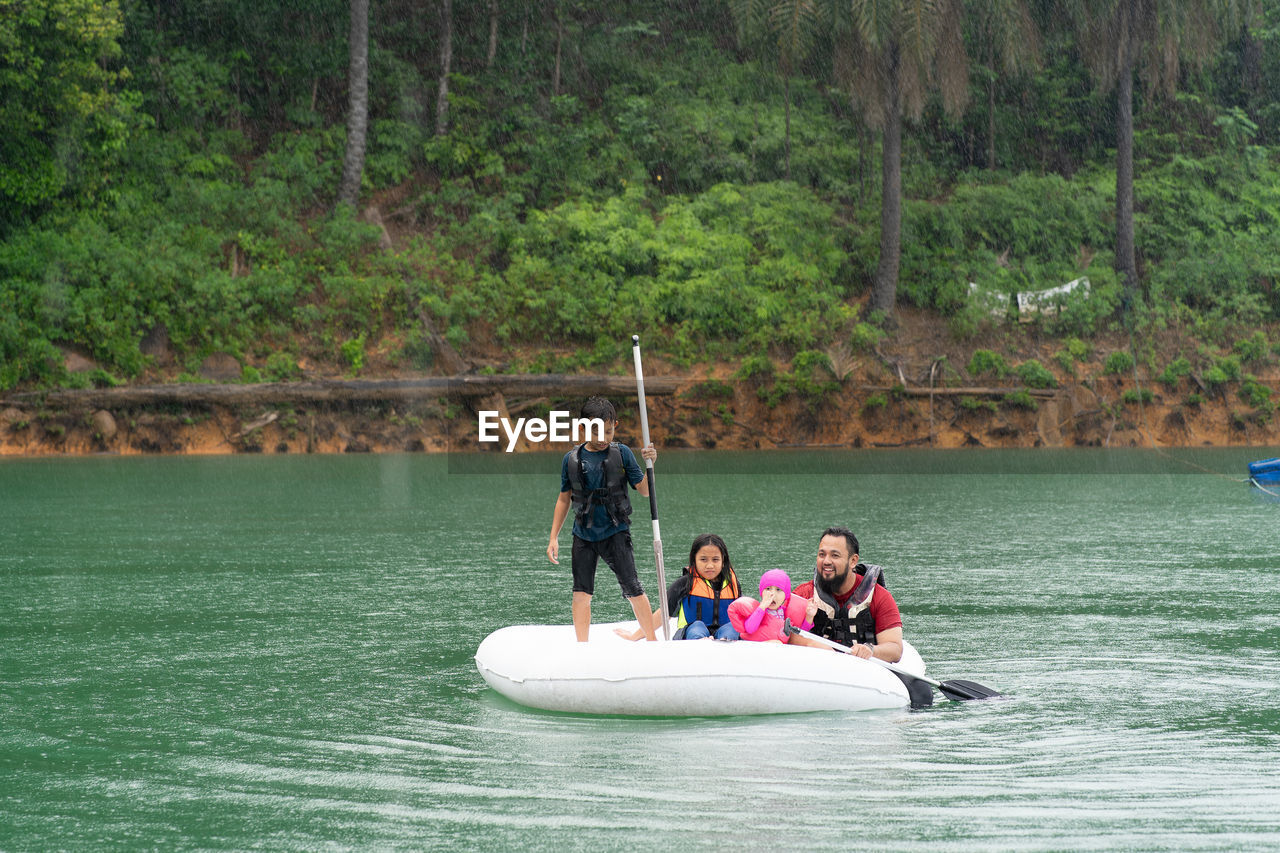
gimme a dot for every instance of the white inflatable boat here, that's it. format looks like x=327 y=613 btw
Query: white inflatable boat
x=543 y=666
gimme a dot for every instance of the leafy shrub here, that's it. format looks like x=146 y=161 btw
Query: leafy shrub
x=1202 y=219
x=190 y=88
x=99 y=378
x=1007 y=235
x=1021 y=400
x=1119 y=362
x=756 y=367
x=1175 y=370
x=1254 y=349
x=973 y=404
x=392 y=148
x=225 y=259
x=802 y=380
x=1225 y=369
x=875 y=401
x=281 y=367
x=1035 y=375
x=353 y=352
x=985 y=362
x=866 y=337
x=416 y=350
x=1083 y=313
x=807 y=362
x=711 y=388
x=1230 y=366
x=1078 y=349
x=731 y=270
x=1137 y=395
x=1256 y=394
x=1074 y=350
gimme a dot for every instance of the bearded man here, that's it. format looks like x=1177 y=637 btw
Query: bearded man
x=849 y=603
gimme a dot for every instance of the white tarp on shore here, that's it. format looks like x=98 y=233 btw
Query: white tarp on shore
x=1029 y=302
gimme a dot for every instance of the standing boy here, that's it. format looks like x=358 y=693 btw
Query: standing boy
x=594 y=477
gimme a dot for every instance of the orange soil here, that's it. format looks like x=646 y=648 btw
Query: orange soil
x=1088 y=409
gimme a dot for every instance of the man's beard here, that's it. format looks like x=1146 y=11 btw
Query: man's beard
x=832 y=587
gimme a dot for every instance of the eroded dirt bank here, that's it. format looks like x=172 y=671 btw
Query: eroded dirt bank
x=704 y=413
x=912 y=390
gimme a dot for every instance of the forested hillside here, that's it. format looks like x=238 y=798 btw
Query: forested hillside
x=735 y=179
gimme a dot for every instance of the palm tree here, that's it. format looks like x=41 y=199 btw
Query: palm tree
x=894 y=53
x=493 y=34
x=794 y=26
x=446 y=67
x=1005 y=31
x=1119 y=38
x=358 y=111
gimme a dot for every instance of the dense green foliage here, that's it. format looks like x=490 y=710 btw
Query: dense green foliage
x=1035 y=375
x=174 y=164
x=64 y=106
x=732 y=268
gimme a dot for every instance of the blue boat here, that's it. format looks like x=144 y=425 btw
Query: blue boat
x=1265 y=472
x=1264 y=478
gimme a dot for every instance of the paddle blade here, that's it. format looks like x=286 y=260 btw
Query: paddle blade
x=961 y=690
x=921 y=692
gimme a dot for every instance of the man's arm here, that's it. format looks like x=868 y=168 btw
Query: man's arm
x=557 y=521
x=889 y=640
x=888 y=645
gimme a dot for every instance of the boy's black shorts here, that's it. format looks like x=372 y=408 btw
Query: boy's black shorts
x=619 y=556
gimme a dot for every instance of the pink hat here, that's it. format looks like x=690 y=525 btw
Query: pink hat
x=778 y=578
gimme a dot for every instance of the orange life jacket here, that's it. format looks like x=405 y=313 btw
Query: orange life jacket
x=704 y=603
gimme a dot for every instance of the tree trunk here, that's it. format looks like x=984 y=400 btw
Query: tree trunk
x=884 y=292
x=1251 y=64
x=555 y=79
x=358 y=110
x=991 y=109
x=1126 y=263
x=524 y=31
x=493 y=34
x=786 y=87
x=865 y=142
x=446 y=65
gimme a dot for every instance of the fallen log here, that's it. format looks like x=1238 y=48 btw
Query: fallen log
x=345 y=391
x=956 y=392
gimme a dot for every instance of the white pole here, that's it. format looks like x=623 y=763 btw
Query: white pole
x=653 y=500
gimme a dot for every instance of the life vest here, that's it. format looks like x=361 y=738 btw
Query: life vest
x=704 y=603
x=612 y=495
x=854 y=622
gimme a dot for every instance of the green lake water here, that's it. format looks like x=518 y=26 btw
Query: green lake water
x=276 y=653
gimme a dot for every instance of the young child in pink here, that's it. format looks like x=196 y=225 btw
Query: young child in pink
x=763 y=620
